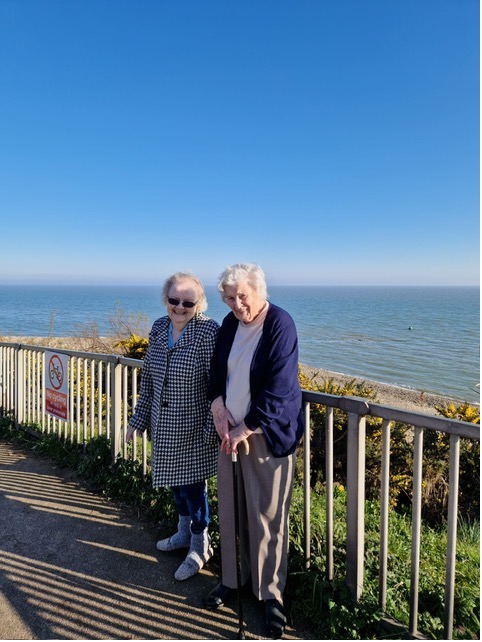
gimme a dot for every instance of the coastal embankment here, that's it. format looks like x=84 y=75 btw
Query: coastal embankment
x=386 y=394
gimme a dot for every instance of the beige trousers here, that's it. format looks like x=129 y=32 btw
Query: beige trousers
x=265 y=485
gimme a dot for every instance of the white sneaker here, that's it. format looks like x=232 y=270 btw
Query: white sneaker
x=181 y=539
x=199 y=553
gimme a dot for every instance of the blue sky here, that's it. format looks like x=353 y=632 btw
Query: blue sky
x=332 y=142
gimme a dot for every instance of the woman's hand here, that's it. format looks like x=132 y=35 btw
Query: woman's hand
x=130 y=433
x=235 y=436
x=223 y=419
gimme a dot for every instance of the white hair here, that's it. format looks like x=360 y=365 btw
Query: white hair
x=251 y=272
x=178 y=277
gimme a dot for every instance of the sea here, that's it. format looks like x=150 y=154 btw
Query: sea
x=424 y=338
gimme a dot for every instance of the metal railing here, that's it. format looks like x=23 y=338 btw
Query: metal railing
x=103 y=390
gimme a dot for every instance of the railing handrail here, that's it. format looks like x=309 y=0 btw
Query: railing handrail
x=364 y=407
x=98 y=356
x=431 y=422
x=358 y=405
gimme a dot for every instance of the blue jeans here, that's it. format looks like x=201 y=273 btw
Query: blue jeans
x=192 y=500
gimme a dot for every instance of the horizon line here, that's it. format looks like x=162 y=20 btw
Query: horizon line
x=284 y=285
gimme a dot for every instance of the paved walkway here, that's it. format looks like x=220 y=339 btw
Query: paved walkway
x=75 y=566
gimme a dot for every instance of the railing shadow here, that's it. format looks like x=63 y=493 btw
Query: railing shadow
x=74 y=566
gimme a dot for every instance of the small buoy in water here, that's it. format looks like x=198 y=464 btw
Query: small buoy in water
x=410 y=327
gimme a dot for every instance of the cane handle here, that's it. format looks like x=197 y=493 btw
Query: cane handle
x=234 y=456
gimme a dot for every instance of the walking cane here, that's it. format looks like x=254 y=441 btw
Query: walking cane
x=234 y=460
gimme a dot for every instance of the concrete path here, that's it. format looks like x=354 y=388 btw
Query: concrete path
x=75 y=566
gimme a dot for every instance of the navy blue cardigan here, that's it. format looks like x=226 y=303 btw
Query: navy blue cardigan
x=274 y=385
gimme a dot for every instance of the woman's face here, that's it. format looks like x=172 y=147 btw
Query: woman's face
x=244 y=301
x=182 y=292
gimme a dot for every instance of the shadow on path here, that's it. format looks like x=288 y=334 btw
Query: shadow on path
x=74 y=566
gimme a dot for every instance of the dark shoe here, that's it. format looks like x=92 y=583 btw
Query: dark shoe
x=275 y=617
x=217 y=597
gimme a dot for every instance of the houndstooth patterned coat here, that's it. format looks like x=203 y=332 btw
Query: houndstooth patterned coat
x=173 y=403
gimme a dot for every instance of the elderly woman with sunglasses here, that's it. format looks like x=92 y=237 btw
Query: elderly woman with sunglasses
x=173 y=404
x=256 y=397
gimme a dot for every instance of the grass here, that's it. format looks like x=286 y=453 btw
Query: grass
x=328 y=607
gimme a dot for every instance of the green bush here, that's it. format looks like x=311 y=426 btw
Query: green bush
x=7 y=428
x=317 y=428
x=95 y=464
x=127 y=484
x=435 y=455
x=134 y=346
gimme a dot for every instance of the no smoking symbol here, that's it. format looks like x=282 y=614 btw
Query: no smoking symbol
x=56 y=372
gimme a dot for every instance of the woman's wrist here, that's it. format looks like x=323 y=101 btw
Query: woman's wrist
x=217 y=405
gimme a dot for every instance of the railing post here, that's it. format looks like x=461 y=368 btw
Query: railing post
x=454 y=474
x=355 y=483
x=384 y=506
x=116 y=409
x=307 y=484
x=19 y=386
x=416 y=529
x=12 y=373
x=329 y=492
x=3 y=385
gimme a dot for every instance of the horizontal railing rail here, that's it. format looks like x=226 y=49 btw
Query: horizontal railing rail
x=103 y=391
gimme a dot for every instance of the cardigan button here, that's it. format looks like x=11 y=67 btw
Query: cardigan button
x=164 y=404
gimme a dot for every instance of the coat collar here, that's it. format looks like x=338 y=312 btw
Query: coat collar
x=160 y=331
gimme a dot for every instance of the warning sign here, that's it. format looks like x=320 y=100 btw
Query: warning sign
x=56 y=384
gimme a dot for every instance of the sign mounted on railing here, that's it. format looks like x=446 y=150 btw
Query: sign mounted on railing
x=56 y=385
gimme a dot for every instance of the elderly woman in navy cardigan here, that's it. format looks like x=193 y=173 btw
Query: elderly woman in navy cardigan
x=256 y=396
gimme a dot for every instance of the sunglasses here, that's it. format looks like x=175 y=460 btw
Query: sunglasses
x=185 y=304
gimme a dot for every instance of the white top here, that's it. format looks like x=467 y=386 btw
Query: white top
x=238 y=394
